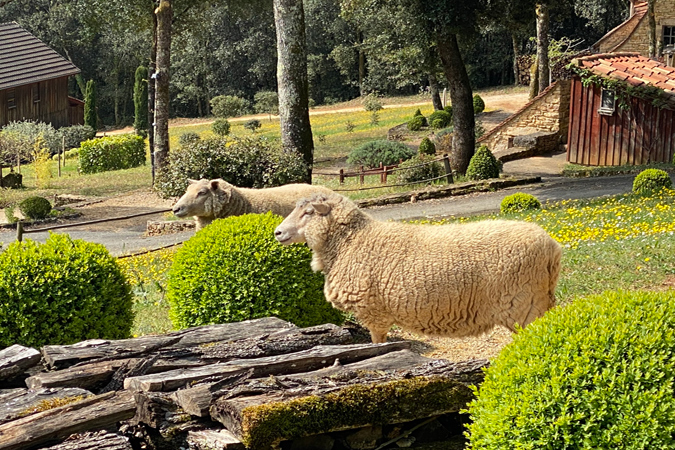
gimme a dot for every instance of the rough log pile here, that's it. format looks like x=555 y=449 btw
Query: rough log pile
x=250 y=384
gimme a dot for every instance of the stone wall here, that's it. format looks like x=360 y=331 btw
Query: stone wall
x=616 y=36
x=639 y=41
x=547 y=112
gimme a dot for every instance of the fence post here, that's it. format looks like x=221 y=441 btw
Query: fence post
x=342 y=176
x=384 y=175
x=448 y=170
x=19 y=231
x=361 y=177
x=381 y=173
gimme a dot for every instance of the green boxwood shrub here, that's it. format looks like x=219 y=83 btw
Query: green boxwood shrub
x=448 y=109
x=371 y=154
x=243 y=161
x=61 y=292
x=416 y=123
x=518 y=202
x=252 y=125
x=478 y=104
x=651 y=180
x=35 y=207
x=221 y=127
x=413 y=174
x=229 y=106
x=235 y=270
x=76 y=134
x=483 y=165
x=597 y=374
x=112 y=153
x=440 y=119
x=427 y=147
x=188 y=138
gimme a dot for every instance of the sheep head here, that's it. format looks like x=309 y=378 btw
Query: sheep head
x=309 y=222
x=203 y=198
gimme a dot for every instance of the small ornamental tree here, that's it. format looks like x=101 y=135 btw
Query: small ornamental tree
x=90 y=116
x=266 y=102
x=141 y=101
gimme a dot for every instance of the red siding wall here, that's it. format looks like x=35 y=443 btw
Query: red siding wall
x=639 y=135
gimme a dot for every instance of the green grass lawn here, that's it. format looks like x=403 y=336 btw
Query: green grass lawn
x=622 y=242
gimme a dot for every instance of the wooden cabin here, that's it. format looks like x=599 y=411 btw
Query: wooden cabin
x=607 y=128
x=34 y=81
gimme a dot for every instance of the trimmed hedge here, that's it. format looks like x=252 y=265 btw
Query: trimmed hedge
x=35 y=207
x=597 y=374
x=221 y=127
x=518 y=202
x=235 y=270
x=483 y=165
x=61 y=292
x=427 y=147
x=112 y=153
x=440 y=119
x=75 y=135
x=371 y=154
x=478 y=104
x=413 y=174
x=651 y=180
x=416 y=123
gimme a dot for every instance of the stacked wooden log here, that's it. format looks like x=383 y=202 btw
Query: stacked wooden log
x=249 y=384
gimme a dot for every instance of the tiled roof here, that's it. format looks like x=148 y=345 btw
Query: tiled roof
x=627 y=28
x=24 y=59
x=632 y=68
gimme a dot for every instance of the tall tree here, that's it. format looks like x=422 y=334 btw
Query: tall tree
x=141 y=101
x=542 y=45
x=652 y=28
x=293 y=88
x=164 y=15
x=90 y=115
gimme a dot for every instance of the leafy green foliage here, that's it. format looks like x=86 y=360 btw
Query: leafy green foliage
x=598 y=373
x=651 y=180
x=266 y=102
x=519 y=202
x=90 y=113
x=188 y=138
x=478 y=104
x=448 y=109
x=35 y=207
x=141 y=101
x=416 y=123
x=245 y=162
x=61 y=292
x=371 y=154
x=420 y=167
x=112 y=153
x=235 y=270
x=372 y=103
x=76 y=134
x=229 y=106
x=483 y=165
x=427 y=147
x=252 y=125
x=440 y=119
x=27 y=132
x=221 y=127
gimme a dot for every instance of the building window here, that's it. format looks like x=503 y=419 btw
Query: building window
x=607 y=102
x=669 y=36
x=36 y=92
x=11 y=98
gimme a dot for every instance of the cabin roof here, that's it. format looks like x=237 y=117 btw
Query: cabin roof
x=24 y=59
x=628 y=27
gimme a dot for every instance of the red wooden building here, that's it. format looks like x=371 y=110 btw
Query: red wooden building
x=602 y=133
x=34 y=81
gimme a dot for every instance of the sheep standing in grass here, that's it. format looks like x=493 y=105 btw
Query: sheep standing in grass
x=208 y=200
x=450 y=280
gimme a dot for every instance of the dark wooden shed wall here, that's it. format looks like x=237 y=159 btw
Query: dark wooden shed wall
x=53 y=107
x=639 y=135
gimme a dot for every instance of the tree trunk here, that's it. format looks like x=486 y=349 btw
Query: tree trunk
x=464 y=138
x=151 y=94
x=164 y=14
x=516 y=53
x=534 y=79
x=652 y=28
x=293 y=86
x=362 y=63
x=435 y=95
x=542 y=46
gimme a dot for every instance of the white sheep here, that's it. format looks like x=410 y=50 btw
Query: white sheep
x=208 y=200
x=450 y=280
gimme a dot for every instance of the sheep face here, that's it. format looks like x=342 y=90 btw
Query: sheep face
x=201 y=197
x=307 y=215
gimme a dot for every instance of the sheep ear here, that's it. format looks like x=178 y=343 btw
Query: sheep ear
x=214 y=184
x=191 y=181
x=322 y=208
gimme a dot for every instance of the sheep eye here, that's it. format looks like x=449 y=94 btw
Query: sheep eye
x=202 y=192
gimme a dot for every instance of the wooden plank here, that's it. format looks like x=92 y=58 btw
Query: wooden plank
x=90 y=414
x=303 y=361
x=99 y=440
x=62 y=356
x=631 y=133
x=583 y=129
x=641 y=122
x=213 y=440
x=16 y=359
x=616 y=137
x=625 y=137
x=21 y=402
x=89 y=376
x=316 y=404
x=594 y=141
x=573 y=127
x=668 y=134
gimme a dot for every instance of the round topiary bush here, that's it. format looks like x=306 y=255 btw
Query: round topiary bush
x=651 y=180
x=188 y=138
x=478 y=104
x=426 y=147
x=221 y=127
x=595 y=374
x=61 y=292
x=440 y=119
x=483 y=165
x=420 y=167
x=252 y=125
x=448 y=109
x=518 y=202
x=235 y=270
x=35 y=208
x=371 y=154
x=416 y=123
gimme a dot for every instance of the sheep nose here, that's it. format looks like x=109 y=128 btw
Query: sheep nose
x=277 y=232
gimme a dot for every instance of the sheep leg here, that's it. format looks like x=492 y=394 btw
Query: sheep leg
x=378 y=335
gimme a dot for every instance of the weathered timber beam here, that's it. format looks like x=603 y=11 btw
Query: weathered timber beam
x=99 y=440
x=303 y=361
x=21 y=402
x=15 y=359
x=94 y=413
x=213 y=440
x=89 y=376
